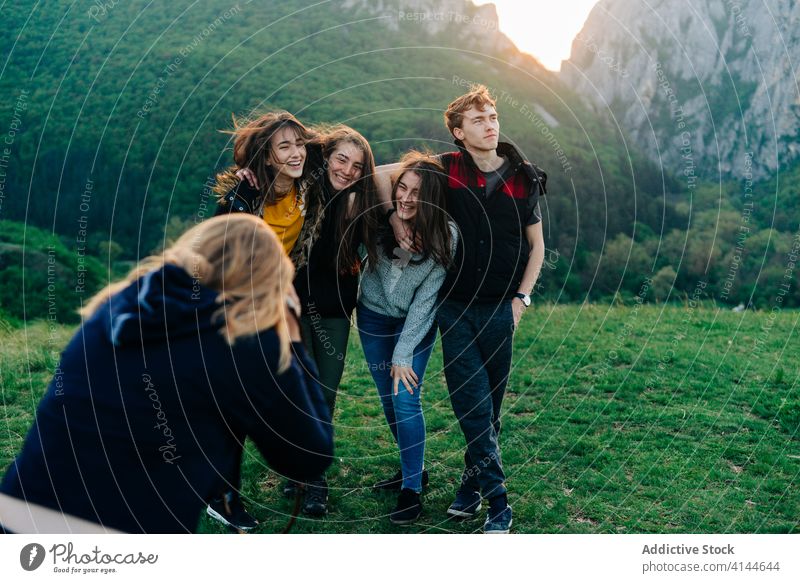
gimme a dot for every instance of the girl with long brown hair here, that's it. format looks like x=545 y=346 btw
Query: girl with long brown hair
x=395 y=316
x=328 y=284
x=396 y=311
x=273 y=147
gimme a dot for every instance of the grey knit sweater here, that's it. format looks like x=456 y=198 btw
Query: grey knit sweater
x=400 y=288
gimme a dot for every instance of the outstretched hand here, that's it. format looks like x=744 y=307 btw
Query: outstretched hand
x=293 y=314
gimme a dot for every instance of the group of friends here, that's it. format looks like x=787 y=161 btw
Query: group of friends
x=240 y=329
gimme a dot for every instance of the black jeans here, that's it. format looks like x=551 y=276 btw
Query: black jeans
x=326 y=342
x=476 y=345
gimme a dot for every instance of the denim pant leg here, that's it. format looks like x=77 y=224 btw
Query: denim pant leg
x=379 y=335
x=410 y=419
x=377 y=341
x=471 y=394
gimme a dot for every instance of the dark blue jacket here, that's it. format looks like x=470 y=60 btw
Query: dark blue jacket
x=138 y=425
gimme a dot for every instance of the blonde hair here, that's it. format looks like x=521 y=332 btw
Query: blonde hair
x=478 y=97
x=239 y=256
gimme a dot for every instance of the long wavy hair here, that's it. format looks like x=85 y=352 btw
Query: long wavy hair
x=240 y=257
x=430 y=222
x=252 y=146
x=354 y=225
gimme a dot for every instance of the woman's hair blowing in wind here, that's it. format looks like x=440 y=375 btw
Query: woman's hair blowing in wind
x=240 y=257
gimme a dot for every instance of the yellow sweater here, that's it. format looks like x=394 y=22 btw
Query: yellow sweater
x=286 y=217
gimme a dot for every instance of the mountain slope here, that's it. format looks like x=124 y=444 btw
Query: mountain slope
x=124 y=107
x=706 y=87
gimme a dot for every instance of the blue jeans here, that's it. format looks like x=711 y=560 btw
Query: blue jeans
x=476 y=348
x=403 y=411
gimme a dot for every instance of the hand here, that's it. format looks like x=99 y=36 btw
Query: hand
x=294 y=327
x=249 y=175
x=517 y=307
x=405 y=374
x=293 y=301
x=293 y=314
x=405 y=235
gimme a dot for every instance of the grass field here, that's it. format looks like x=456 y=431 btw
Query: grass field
x=638 y=419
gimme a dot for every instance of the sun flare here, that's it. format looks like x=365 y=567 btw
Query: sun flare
x=543 y=28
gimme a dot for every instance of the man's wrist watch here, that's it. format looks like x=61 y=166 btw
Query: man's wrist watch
x=526 y=299
x=389 y=213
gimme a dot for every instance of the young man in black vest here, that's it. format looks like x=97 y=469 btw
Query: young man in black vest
x=492 y=195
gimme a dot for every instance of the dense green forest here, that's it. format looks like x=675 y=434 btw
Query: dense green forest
x=112 y=114
x=41 y=277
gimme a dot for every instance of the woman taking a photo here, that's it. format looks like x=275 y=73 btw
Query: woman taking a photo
x=170 y=367
x=396 y=312
x=341 y=197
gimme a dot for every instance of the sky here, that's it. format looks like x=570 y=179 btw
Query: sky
x=543 y=28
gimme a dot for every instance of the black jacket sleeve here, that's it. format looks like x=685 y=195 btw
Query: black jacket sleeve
x=239 y=199
x=284 y=414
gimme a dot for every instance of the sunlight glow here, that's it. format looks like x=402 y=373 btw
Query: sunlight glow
x=543 y=28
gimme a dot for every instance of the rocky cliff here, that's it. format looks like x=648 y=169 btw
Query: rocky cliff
x=704 y=87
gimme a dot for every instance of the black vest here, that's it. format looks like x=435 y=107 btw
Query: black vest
x=493 y=250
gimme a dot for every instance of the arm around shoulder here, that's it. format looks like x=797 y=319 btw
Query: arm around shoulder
x=383 y=182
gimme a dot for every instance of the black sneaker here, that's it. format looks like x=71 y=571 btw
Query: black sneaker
x=466 y=504
x=498 y=523
x=316 y=501
x=229 y=510
x=290 y=488
x=408 y=507
x=396 y=482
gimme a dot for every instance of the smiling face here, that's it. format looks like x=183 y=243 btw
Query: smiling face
x=345 y=165
x=480 y=128
x=407 y=195
x=287 y=154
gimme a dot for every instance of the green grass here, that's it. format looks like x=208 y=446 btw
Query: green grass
x=616 y=420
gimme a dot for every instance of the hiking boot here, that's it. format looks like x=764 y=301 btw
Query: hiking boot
x=229 y=510
x=498 y=522
x=316 y=501
x=466 y=504
x=408 y=508
x=396 y=482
